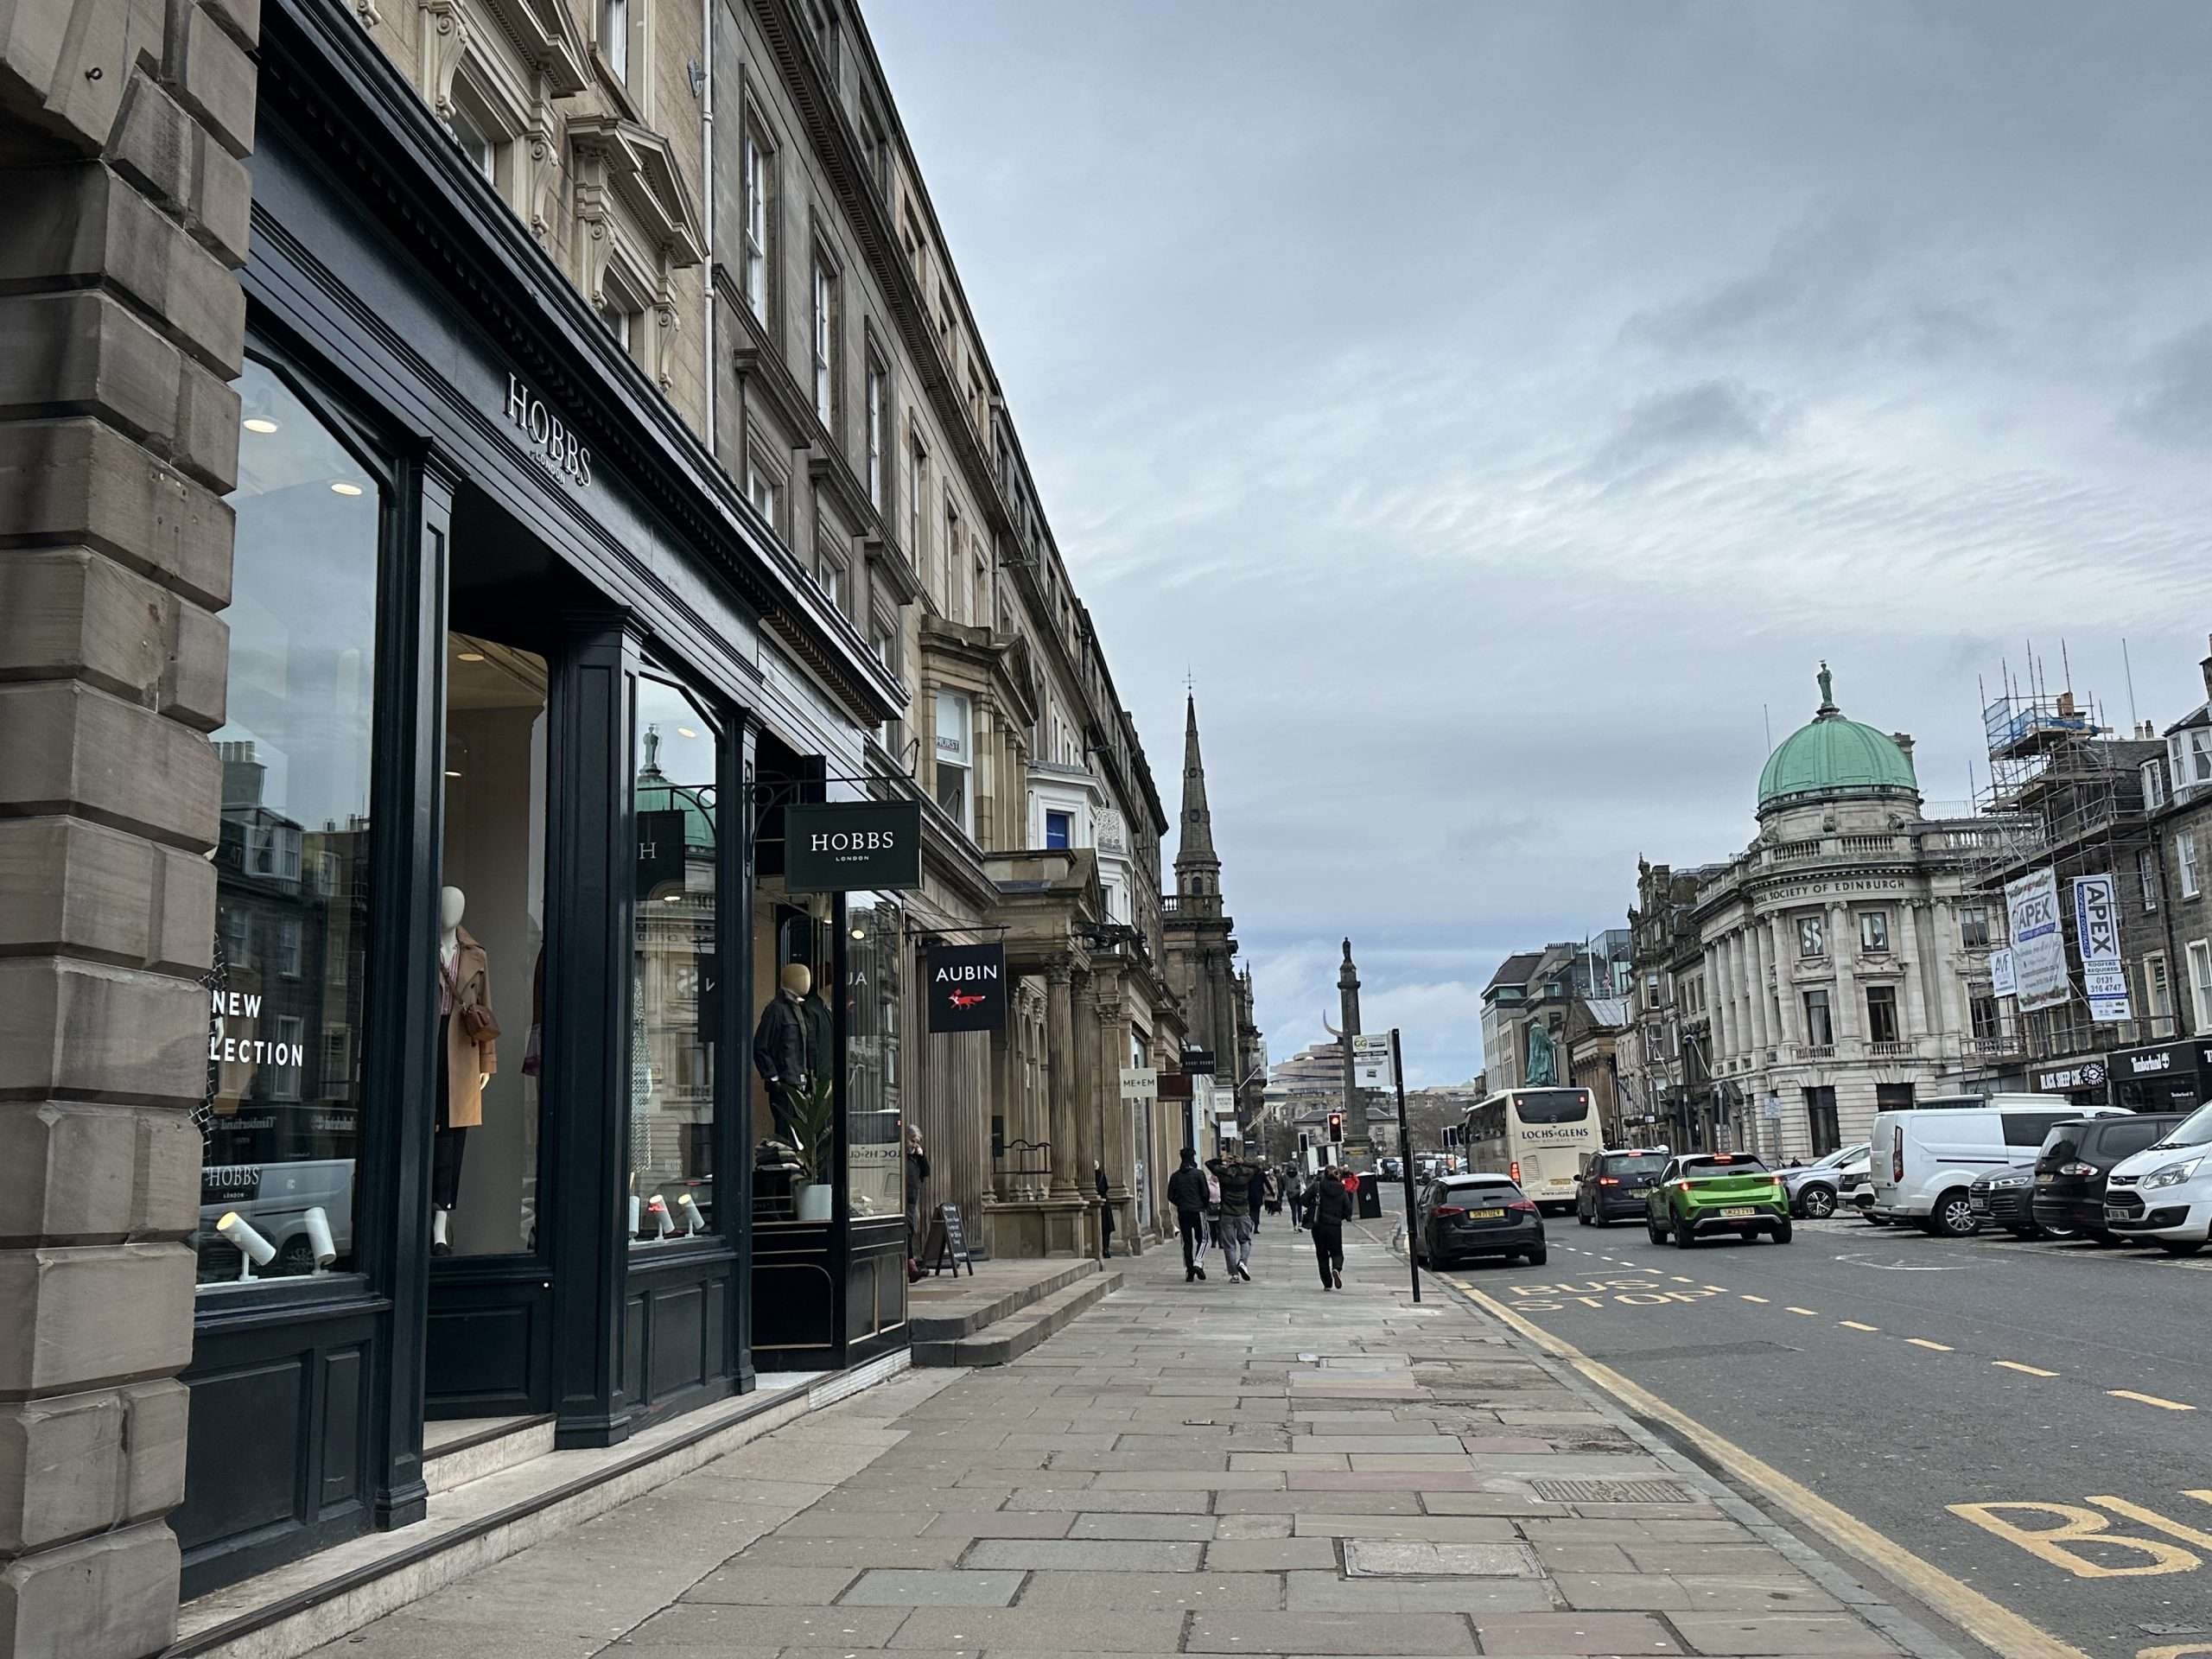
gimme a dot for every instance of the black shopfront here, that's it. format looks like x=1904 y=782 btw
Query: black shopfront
x=2163 y=1077
x=519 y=694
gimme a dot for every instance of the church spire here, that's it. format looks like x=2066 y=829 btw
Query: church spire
x=1198 y=867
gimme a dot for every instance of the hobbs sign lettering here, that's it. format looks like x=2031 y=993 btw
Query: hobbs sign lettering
x=967 y=987
x=558 y=443
x=847 y=846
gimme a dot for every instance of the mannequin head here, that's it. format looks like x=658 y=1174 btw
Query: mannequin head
x=798 y=978
x=451 y=902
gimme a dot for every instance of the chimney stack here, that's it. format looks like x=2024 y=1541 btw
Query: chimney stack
x=2206 y=668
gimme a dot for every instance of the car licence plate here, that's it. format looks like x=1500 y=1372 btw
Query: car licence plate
x=1485 y=1214
x=1977 y=1203
x=1740 y=1213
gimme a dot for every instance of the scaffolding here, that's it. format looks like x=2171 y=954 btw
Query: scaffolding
x=2065 y=793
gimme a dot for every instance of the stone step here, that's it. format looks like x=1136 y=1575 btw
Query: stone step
x=1010 y=1337
x=454 y=1453
x=952 y=1317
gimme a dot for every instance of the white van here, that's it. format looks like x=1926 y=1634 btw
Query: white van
x=1921 y=1162
x=2163 y=1193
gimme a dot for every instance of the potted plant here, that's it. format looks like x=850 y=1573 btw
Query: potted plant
x=814 y=1125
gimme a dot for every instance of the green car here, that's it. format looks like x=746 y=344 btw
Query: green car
x=1709 y=1192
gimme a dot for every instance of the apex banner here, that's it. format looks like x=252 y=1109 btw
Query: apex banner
x=2096 y=933
x=2038 y=940
x=967 y=987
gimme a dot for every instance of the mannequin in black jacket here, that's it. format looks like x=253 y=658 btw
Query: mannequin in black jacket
x=783 y=1049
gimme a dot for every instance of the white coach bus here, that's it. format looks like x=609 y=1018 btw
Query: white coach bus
x=1537 y=1137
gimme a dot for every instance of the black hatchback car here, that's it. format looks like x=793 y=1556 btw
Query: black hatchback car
x=1612 y=1188
x=1465 y=1216
x=2078 y=1158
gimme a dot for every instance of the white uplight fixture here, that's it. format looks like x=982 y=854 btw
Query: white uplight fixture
x=663 y=1223
x=253 y=1249
x=694 y=1222
x=320 y=1245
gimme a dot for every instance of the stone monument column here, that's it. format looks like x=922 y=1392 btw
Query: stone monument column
x=122 y=325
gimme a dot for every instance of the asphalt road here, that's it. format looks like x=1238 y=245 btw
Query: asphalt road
x=1900 y=1377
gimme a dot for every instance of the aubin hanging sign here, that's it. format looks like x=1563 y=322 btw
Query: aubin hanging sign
x=853 y=846
x=967 y=987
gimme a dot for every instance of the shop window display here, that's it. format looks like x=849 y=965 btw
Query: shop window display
x=794 y=1102
x=675 y=984
x=875 y=1155
x=281 y=1114
x=486 y=1103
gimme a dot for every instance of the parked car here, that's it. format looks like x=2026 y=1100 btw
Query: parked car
x=1854 y=1190
x=2077 y=1159
x=1703 y=1192
x=1467 y=1215
x=2163 y=1193
x=1816 y=1189
x=1612 y=1185
x=2002 y=1199
x=1923 y=1161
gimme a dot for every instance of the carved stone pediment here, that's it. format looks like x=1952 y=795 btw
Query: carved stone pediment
x=638 y=167
x=546 y=33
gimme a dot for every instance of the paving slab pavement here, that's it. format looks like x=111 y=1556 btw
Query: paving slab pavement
x=1263 y=1468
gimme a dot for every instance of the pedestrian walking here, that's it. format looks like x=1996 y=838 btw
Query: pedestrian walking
x=1105 y=1211
x=1255 y=1192
x=917 y=1174
x=1274 y=1192
x=1333 y=1206
x=1186 y=1195
x=1235 y=1223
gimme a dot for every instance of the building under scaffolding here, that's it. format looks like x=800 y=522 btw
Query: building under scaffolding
x=2066 y=795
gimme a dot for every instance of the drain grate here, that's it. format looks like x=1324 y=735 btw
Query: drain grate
x=1611 y=1492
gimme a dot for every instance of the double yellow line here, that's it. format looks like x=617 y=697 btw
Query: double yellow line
x=1996 y=1627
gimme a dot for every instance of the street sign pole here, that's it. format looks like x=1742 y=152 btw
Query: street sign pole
x=1405 y=1159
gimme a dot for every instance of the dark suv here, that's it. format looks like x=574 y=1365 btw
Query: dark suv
x=2076 y=1157
x=1612 y=1188
x=1477 y=1215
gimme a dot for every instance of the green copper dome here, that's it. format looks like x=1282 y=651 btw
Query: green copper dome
x=1835 y=759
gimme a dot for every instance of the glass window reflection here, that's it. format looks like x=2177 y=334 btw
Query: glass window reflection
x=280 y=1118
x=675 y=985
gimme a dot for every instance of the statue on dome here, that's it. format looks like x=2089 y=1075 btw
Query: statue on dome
x=1828 y=687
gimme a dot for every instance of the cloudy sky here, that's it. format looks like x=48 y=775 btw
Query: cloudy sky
x=1501 y=409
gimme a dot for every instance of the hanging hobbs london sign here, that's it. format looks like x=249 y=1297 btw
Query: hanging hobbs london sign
x=557 y=440
x=845 y=846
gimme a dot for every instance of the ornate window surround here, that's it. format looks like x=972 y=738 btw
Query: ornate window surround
x=511 y=59
x=636 y=226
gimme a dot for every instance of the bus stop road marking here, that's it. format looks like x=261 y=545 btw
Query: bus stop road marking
x=1991 y=1623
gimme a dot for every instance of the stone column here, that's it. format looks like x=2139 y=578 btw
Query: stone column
x=1840 y=947
x=1762 y=1017
x=1915 y=1012
x=1780 y=951
x=1945 y=920
x=1060 y=1079
x=1716 y=1005
x=122 y=324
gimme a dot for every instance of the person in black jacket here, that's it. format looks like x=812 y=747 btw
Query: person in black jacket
x=1105 y=1210
x=1186 y=1193
x=917 y=1174
x=1255 y=1192
x=1333 y=1206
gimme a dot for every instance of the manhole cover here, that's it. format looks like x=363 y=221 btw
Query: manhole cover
x=1406 y=1559
x=1611 y=1492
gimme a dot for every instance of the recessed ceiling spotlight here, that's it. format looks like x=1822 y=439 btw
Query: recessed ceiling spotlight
x=344 y=488
x=260 y=423
x=686 y=731
x=471 y=656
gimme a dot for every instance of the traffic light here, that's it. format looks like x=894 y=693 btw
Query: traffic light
x=1336 y=1129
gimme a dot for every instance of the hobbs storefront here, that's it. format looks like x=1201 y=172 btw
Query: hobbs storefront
x=513 y=975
